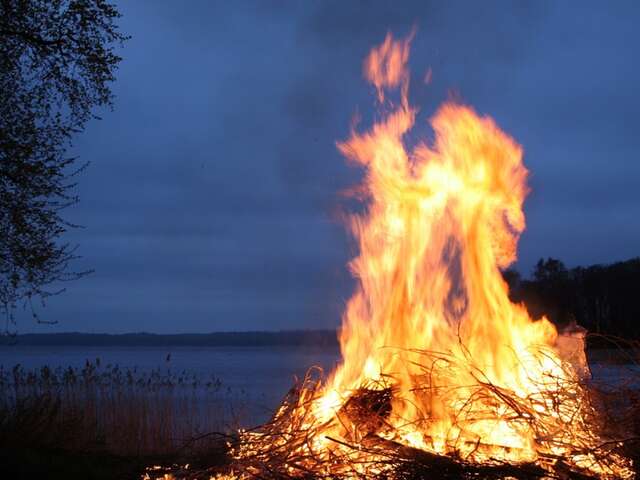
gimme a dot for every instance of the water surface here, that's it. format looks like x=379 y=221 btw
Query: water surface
x=255 y=379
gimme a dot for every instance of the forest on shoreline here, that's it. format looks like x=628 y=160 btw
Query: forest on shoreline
x=604 y=299
x=601 y=298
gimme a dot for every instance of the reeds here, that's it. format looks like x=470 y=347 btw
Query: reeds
x=122 y=411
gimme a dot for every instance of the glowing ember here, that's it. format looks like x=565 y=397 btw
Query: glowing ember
x=436 y=358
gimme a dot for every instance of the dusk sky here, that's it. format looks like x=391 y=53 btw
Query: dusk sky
x=212 y=198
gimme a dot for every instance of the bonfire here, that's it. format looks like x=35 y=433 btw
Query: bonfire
x=442 y=376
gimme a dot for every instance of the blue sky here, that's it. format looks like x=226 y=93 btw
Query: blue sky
x=212 y=198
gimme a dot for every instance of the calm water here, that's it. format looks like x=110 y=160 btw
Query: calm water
x=255 y=378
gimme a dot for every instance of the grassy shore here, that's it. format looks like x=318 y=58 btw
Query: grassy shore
x=102 y=422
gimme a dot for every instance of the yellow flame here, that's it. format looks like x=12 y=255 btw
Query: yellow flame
x=443 y=218
x=468 y=371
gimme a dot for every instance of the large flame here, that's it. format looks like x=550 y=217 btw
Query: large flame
x=441 y=222
x=430 y=328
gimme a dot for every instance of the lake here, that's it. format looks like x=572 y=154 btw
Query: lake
x=253 y=379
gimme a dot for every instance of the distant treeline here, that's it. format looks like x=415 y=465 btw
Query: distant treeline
x=306 y=338
x=605 y=299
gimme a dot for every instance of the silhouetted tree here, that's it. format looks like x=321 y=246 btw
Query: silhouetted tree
x=56 y=63
x=513 y=279
x=609 y=297
x=601 y=298
x=553 y=283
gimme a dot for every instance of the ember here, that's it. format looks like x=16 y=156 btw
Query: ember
x=442 y=374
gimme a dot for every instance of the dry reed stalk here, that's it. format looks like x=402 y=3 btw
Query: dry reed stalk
x=284 y=447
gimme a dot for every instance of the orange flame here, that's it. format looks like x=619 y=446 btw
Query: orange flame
x=386 y=66
x=470 y=373
x=442 y=220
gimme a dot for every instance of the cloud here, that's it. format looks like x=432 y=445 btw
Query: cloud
x=213 y=184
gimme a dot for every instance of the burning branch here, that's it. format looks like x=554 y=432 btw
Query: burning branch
x=442 y=375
